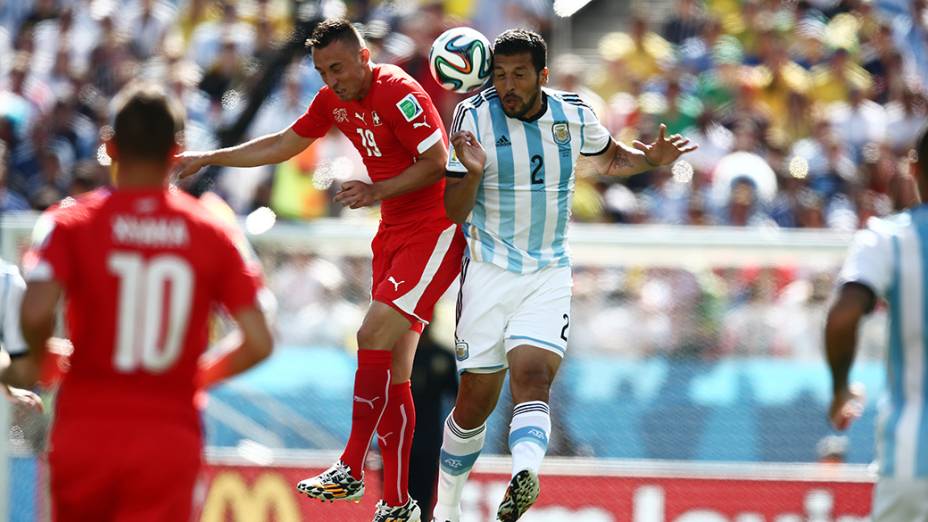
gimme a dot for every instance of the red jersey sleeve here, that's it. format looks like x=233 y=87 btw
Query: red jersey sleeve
x=239 y=280
x=413 y=117
x=49 y=257
x=317 y=120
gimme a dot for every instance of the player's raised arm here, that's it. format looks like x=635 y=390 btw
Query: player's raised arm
x=465 y=172
x=265 y=150
x=620 y=160
x=428 y=169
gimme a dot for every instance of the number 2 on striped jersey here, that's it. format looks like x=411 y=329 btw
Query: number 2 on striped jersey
x=538 y=170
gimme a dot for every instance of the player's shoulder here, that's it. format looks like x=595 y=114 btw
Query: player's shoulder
x=391 y=83
x=891 y=225
x=389 y=74
x=72 y=210
x=479 y=102
x=570 y=98
x=193 y=210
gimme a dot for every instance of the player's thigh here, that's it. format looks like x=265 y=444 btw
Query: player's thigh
x=486 y=297
x=82 y=472
x=542 y=318
x=896 y=500
x=421 y=271
x=163 y=467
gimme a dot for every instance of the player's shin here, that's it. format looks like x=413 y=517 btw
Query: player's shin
x=394 y=436
x=459 y=451
x=371 y=393
x=528 y=435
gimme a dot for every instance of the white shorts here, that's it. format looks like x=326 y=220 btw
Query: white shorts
x=499 y=310
x=897 y=500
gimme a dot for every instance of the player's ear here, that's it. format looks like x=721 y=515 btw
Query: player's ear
x=365 y=55
x=109 y=145
x=543 y=76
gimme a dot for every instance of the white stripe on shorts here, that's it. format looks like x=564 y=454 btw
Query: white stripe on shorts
x=408 y=301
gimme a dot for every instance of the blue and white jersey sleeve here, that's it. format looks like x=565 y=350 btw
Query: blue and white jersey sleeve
x=870 y=259
x=465 y=119
x=595 y=137
x=12 y=288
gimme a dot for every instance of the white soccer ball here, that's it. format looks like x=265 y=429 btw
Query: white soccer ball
x=460 y=59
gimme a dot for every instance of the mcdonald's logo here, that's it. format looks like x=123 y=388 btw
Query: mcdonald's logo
x=270 y=498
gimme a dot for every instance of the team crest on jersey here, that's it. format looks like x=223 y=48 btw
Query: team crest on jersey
x=340 y=115
x=461 y=350
x=409 y=107
x=376 y=119
x=561 y=133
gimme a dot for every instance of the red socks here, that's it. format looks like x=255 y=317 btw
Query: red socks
x=371 y=394
x=394 y=436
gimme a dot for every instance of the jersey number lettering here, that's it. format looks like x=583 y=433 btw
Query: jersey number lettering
x=538 y=170
x=367 y=139
x=145 y=338
x=566 y=326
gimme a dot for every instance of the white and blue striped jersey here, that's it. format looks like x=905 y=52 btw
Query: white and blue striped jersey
x=890 y=257
x=12 y=287
x=519 y=220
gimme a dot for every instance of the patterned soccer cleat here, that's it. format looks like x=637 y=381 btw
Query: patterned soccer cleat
x=408 y=512
x=520 y=495
x=335 y=483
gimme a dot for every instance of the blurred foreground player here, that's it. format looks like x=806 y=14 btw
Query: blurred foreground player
x=139 y=266
x=889 y=260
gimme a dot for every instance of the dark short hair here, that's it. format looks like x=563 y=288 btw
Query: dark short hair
x=518 y=41
x=147 y=123
x=334 y=29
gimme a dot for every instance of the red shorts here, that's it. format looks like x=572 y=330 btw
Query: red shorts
x=414 y=264
x=120 y=472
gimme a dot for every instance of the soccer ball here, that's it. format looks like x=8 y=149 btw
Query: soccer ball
x=460 y=59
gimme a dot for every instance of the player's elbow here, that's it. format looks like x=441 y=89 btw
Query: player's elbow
x=260 y=346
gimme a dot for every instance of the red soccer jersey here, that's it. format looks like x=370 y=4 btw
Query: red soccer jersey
x=141 y=271
x=390 y=127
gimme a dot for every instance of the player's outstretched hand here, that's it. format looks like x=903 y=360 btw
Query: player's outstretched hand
x=23 y=399
x=356 y=194
x=665 y=150
x=469 y=151
x=847 y=406
x=188 y=163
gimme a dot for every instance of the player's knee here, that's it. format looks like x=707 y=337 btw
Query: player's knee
x=530 y=384
x=471 y=414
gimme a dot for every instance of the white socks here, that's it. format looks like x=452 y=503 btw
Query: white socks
x=528 y=435
x=459 y=450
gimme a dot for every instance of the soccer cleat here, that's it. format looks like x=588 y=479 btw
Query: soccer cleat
x=520 y=495
x=335 y=483
x=408 y=512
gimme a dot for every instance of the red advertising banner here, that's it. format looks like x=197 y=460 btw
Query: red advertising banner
x=257 y=493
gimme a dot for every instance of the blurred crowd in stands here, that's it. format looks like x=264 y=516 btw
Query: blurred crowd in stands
x=804 y=109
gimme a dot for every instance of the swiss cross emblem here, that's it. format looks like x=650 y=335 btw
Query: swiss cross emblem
x=376 y=119
x=340 y=115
